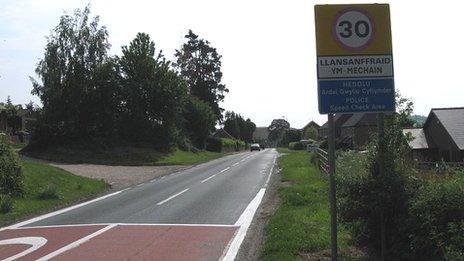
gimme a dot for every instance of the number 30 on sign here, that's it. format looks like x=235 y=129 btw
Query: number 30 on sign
x=353 y=29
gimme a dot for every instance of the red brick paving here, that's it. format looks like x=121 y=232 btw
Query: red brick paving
x=57 y=237
x=128 y=242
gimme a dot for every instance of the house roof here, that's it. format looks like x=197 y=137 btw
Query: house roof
x=419 y=140
x=311 y=124
x=452 y=120
x=361 y=119
x=339 y=120
x=260 y=133
x=221 y=133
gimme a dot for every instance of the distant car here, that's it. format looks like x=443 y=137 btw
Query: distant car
x=255 y=146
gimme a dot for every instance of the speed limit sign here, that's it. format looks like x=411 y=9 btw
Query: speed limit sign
x=353 y=29
x=354 y=58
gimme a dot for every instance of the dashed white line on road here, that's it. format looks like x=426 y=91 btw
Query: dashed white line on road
x=208 y=178
x=235 y=164
x=226 y=169
x=171 y=197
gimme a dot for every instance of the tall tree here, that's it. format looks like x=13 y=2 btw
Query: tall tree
x=153 y=94
x=200 y=66
x=277 y=130
x=238 y=127
x=68 y=74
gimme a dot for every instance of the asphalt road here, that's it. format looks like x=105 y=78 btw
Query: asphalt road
x=216 y=192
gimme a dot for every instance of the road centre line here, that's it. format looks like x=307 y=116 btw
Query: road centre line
x=226 y=169
x=76 y=243
x=171 y=197
x=235 y=164
x=36 y=219
x=208 y=178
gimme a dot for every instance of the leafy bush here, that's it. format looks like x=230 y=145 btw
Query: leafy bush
x=297 y=145
x=426 y=215
x=11 y=178
x=6 y=203
x=231 y=144
x=49 y=192
x=437 y=214
x=372 y=205
x=213 y=144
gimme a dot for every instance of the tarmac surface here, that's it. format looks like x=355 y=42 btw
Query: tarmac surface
x=201 y=213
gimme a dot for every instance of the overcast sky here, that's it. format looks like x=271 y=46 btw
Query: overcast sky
x=268 y=48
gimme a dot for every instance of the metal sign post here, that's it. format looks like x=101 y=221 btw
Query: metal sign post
x=332 y=192
x=354 y=71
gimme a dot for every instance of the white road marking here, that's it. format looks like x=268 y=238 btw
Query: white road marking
x=130 y=224
x=139 y=185
x=244 y=222
x=76 y=243
x=33 y=220
x=171 y=197
x=226 y=169
x=35 y=242
x=208 y=178
x=270 y=173
x=235 y=164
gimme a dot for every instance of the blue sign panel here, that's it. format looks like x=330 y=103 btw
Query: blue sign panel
x=361 y=95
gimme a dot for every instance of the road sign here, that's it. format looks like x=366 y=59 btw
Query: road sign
x=354 y=58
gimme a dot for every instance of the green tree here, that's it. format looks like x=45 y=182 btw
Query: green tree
x=238 y=127
x=199 y=121
x=153 y=94
x=277 y=129
x=200 y=66
x=71 y=74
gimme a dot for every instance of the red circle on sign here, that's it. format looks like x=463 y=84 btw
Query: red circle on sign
x=334 y=30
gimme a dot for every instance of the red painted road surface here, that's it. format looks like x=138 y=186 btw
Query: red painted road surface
x=124 y=242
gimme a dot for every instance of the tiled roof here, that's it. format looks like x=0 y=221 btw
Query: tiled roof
x=419 y=139
x=453 y=121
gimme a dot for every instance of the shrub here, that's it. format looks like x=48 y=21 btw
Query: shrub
x=6 y=203
x=213 y=144
x=49 y=192
x=11 y=178
x=437 y=214
x=297 y=145
x=372 y=204
x=232 y=144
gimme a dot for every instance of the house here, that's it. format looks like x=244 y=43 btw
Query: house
x=422 y=147
x=352 y=131
x=441 y=137
x=311 y=124
x=357 y=131
x=339 y=120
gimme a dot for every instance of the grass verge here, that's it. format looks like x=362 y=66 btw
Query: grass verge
x=47 y=188
x=126 y=156
x=179 y=157
x=301 y=224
